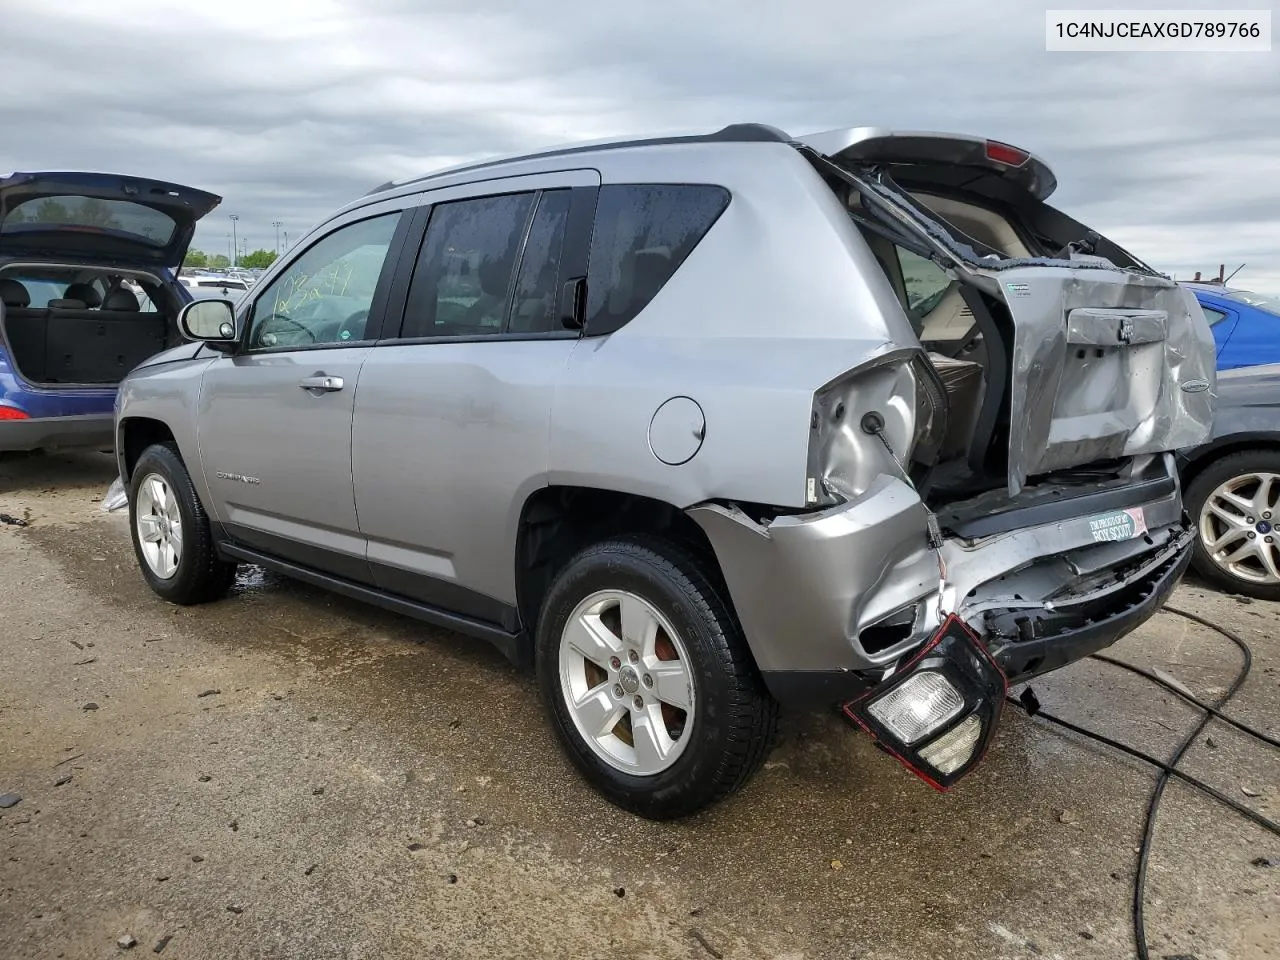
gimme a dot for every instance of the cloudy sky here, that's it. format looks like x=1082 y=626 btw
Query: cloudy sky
x=288 y=109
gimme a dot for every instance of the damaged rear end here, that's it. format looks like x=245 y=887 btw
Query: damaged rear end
x=998 y=498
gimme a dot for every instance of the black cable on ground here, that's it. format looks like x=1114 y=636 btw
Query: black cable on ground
x=1169 y=770
x=1190 y=698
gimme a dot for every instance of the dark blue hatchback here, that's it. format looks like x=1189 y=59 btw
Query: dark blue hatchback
x=87 y=292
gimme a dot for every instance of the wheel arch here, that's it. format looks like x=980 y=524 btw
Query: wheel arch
x=1202 y=458
x=557 y=521
x=134 y=435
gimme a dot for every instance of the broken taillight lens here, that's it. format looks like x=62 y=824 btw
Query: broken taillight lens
x=938 y=713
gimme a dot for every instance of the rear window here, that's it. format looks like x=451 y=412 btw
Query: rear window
x=1260 y=301
x=42 y=291
x=643 y=233
x=89 y=213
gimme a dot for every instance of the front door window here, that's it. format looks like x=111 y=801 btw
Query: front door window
x=324 y=296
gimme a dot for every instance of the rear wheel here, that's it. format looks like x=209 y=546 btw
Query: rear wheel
x=648 y=680
x=171 y=535
x=1236 y=506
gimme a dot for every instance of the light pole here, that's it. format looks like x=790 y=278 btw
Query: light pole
x=234 y=248
x=277 y=224
x=286 y=239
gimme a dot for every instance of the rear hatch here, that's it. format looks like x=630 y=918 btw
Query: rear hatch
x=1106 y=358
x=109 y=219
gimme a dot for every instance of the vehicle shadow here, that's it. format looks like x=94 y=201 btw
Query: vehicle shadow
x=71 y=471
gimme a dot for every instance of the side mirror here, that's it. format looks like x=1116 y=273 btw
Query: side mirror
x=212 y=321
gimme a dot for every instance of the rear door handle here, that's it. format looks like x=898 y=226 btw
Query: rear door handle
x=327 y=384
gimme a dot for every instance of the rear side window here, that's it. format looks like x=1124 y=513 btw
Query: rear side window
x=1213 y=316
x=463 y=276
x=924 y=281
x=643 y=233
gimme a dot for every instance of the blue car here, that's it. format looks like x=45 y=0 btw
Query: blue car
x=1246 y=326
x=87 y=292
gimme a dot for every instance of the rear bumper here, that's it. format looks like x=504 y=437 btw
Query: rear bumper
x=1072 y=635
x=1020 y=660
x=831 y=601
x=55 y=433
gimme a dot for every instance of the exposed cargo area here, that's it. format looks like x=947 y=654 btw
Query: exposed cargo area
x=71 y=326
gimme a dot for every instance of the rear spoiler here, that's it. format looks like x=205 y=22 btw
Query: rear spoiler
x=872 y=145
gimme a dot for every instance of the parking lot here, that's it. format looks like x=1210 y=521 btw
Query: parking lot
x=288 y=774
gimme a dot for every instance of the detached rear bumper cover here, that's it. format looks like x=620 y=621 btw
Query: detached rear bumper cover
x=1068 y=634
x=92 y=430
x=808 y=587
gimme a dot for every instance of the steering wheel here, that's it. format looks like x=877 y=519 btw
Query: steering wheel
x=289 y=320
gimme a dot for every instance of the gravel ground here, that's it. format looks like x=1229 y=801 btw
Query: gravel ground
x=286 y=774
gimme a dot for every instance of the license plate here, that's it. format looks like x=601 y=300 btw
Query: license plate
x=1121 y=525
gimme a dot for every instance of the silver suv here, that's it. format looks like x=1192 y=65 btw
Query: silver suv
x=697 y=427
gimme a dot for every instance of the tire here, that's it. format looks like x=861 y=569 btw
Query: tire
x=1245 y=476
x=199 y=575
x=727 y=729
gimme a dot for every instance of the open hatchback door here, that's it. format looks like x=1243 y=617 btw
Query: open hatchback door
x=100 y=217
x=1089 y=357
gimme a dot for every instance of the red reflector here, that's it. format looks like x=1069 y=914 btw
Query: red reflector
x=1003 y=153
x=12 y=413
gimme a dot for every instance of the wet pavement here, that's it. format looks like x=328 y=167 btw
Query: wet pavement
x=287 y=774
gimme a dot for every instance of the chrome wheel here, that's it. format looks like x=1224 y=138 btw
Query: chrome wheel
x=159 y=526
x=1237 y=527
x=626 y=678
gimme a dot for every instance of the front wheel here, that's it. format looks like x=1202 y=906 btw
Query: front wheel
x=171 y=535
x=1236 y=506
x=648 y=679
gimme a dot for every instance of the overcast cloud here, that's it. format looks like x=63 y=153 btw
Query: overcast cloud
x=289 y=109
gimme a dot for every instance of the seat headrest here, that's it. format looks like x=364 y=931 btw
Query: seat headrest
x=13 y=293
x=494 y=273
x=84 y=293
x=121 y=299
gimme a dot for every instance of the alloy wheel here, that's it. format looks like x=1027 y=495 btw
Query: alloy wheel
x=159 y=526
x=627 y=681
x=1237 y=527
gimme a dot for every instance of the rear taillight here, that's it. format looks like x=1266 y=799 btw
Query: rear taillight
x=937 y=714
x=12 y=413
x=1003 y=153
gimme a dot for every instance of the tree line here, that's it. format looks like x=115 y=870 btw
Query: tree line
x=198 y=259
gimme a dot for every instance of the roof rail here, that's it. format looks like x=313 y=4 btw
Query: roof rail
x=733 y=133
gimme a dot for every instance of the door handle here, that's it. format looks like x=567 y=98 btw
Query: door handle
x=327 y=384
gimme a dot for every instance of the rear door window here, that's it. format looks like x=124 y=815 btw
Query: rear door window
x=533 y=308
x=462 y=282
x=643 y=232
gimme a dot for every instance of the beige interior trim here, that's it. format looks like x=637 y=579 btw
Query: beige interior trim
x=978 y=222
